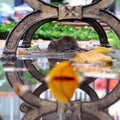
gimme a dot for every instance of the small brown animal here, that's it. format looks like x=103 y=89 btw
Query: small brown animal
x=64 y=44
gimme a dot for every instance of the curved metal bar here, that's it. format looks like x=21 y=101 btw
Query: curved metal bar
x=107 y=17
x=38 y=4
x=40 y=89
x=14 y=79
x=38 y=113
x=33 y=115
x=107 y=101
x=103 y=4
x=87 y=116
x=25 y=108
x=100 y=115
x=16 y=34
x=90 y=92
x=28 y=96
x=34 y=71
x=42 y=13
x=99 y=29
x=30 y=32
x=113 y=21
x=96 y=6
x=96 y=25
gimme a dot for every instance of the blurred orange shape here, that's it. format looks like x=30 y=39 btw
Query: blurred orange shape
x=63 y=81
x=21 y=89
x=92 y=57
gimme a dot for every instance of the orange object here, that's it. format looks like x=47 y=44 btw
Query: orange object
x=100 y=84
x=92 y=57
x=23 y=52
x=63 y=81
x=21 y=89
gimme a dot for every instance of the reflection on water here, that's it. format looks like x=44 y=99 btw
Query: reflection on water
x=28 y=67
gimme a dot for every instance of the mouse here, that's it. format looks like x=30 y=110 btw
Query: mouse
x=65 y=43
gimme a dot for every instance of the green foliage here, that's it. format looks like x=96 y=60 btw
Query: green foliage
x=114 y=40
x=58 y=2
x=28 y=76
x=2 y=74
x=54 y=30
x=5 y=30
x=118 y=2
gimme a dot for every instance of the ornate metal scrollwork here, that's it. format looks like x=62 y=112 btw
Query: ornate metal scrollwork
x=69 y=12
x=36 y=107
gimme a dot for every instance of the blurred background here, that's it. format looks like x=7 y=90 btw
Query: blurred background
x=17 y=9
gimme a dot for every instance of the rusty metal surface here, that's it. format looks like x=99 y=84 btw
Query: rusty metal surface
x=35 y=107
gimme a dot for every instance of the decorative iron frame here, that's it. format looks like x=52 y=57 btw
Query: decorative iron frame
x=35 y=107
